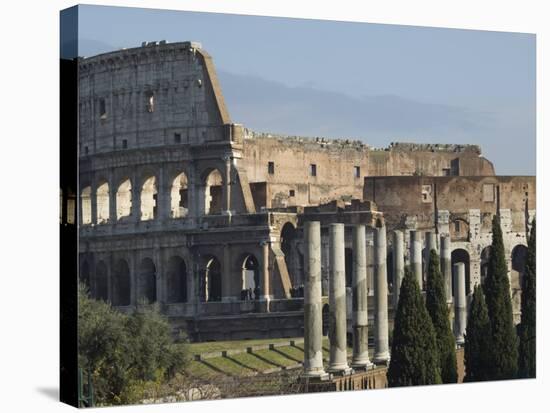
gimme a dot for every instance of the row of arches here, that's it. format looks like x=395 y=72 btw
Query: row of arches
x=211 y=188
x=118 y=288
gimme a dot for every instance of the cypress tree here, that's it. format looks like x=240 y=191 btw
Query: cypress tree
x=499 y=306
x=436 y=304
x=414 y=356
x=477 y=345
x=527 y=329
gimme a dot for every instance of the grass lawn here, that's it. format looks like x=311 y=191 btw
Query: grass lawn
x=207 y=347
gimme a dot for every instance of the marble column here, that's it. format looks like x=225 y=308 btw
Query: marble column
x=416 y=257
x=381 y=343
x=266 y=285
x=431 y=244
x=360 y=317
x=446 y=268
x=227 y=184
x=398 y=266
x=112 y=203
x=460 y=301
x=338 y=360
x=313 y=317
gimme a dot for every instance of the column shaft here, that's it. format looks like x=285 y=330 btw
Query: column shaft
x=381 y=344
x=360 y=317
x=460 y=301
x=313 y=318
x=338 y=361
x=416 y=256
x=446 y=268
x=398 y=266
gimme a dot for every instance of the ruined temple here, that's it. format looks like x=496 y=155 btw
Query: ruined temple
x=181 y=206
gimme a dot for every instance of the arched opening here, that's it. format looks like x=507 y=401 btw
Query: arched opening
x=121 y=283
x=250 y=276
x=348 y=264
x=149 y=199
x=461 y=255
x=147 y=281
x=178 y=197
x=86 y=202
x=101 y=292
x=124 y=200
x=176 y=279
x=71 y=206
x=102 y=199
x=519 y=255
x=213 y=193
x=484 y=263
x=211 y=284
x=288 y=246
x=85 y=273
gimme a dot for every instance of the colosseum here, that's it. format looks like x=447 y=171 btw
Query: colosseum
x=181 y=206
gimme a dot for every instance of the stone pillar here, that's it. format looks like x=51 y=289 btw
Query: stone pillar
x=313 y=317
x=338 y=360
x=381 y=343
x=266 y=284
x=460 y=301
x=135 y=212
x=398 y=266
x=416 y=257
x=227 y=184
x=431 y=244
x=112 y=202
x=360 y=317
x=446 y=268
x=93 y=199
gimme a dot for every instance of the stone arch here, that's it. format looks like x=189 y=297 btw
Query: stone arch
x=85 y=273
x=122 y=283
x=147 y=283
x=461 y=255
x=179 y=199
x=176 y=280
x=102 y=201
x=211 y=282
x=86 y=203
x=484 y=262
x=101 y=281
x=288 y=246
x=250 y=277
x=519 y=256
x=148 y=199
x=213 y=191
x=124 y=199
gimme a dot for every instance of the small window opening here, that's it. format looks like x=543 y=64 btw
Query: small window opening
x=291 y=192
x=124 y=143
x=357 y=171
x=271 y=168
x=177 y=137
x=86 y=150
x=457 y=226
x=102 y=109
x=313 y=169
x=150 y=96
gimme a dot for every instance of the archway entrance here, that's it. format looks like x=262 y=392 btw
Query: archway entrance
x=250 y=276
x=147 y=281
x=461 y=255
x=211 y=284
x=121 y=284
x=176 y=279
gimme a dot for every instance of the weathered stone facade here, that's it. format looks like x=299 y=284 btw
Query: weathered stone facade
x=180 y=206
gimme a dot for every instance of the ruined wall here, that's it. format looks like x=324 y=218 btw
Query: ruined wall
x=286 y=165
x=152 y=95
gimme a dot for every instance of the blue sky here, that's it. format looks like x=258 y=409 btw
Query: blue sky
x=378 y=83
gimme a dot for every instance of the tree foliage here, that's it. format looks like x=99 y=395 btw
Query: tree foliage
x=414 y=355
x=124 y=352
x=527 y=328
x=499 y=305
x=477 y=345
x=436 y=304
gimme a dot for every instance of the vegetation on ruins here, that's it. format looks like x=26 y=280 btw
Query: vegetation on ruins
x=527 y=327
x=504 y=347
x=127 y=355
x=414 y=355
x=477 y=345
x=436 y=304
